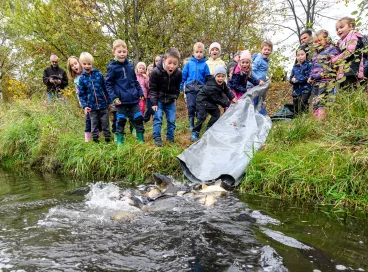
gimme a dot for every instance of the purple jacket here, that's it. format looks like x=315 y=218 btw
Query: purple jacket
x=321 y=63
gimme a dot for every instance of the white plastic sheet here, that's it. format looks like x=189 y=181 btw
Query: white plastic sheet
x=225 y=150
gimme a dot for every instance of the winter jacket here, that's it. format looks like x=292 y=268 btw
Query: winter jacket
x=212 y=95
x=301 y=72
x=194 y=71
x=321 y=63
x=351 y=52
x=259 y=68
x=144 y=82
x=162 y=86
x=213 y=63
x=54 y=73
x=92 y=90
x=238 y=82
x=121 y=82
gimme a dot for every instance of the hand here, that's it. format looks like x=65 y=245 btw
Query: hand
x=293 y=80
x=154 y=108
x=117 y=102
x=141 y=97
x=87 y=110
x=261 y=82
x=51 y=81
x=234 y=100
x=144 y=75
x=58 y=81
x=310 y=80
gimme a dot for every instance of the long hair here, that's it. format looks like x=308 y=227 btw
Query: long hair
x=71 y=73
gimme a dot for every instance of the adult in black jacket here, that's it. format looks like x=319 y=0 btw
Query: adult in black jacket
x=54 y=78
x=213 y=94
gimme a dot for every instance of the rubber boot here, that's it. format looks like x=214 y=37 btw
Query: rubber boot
x=140 y=137
x=120 y=139
x=194 y=136
x=191 y=123
x=87 y=137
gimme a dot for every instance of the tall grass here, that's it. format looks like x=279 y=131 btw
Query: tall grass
x=324 y=160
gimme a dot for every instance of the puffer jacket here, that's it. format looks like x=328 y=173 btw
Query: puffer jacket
x=301 y=72
x=121 y=82
x=321 y=63
x=239 y=79
x=351 y=52
x=92 y=90
x=212 y=95
x=195 y=70
x=164 y=87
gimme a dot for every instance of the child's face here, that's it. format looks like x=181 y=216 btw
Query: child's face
x=141 y=70
x=120 y=53
x=343 y=28
x=149 y=68
x=244 y=64
x=220 y=78
x=171 y=64
x=198 y=52
x=215 y=53
x=157 y=59
x=75 y=66
x=266 y=51
x=301 y=56
x=320 y=40
x=86 y=65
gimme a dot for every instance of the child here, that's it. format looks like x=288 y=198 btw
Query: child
x=124 y=90
x=208 y=99
x=93 y=97
x=299 y=79
x=149 y=112
x=321 y=71
x=215 y=60
x=194 y=75
x=164 y=88
x=156 y=60
x=140 y=71
x=242 y=74
x=260 y=63
x=351 y=46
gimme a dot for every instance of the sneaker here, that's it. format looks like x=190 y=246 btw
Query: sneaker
x=158 y=142
x=171 y=141
x=194 y=136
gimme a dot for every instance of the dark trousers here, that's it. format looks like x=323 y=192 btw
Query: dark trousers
x=191 y=104
x=319 y=95
x=350 y=81
x=113 y=121
x=202 y=115
x=301 y=103
x=88 y=127
x=100 y=117
x=131 y=111
x=149 y=112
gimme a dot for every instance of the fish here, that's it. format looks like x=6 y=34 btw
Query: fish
x=126 y=216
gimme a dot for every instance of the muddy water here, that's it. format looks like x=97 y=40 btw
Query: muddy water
x=54 y=224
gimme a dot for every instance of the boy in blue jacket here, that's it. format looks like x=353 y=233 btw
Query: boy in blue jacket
x=93 y=97
x=125 y=91
x=193 y=77
x=299 y=79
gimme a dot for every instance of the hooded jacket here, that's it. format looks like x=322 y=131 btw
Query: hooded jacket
x=239 y=79
x=92 y=90
x=212 y=95
x=164 y=87
x=321 y=63
x=301 y=72
x=121 y=82
x=195 y=70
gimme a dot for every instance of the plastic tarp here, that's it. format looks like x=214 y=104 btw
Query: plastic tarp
x=225 y=150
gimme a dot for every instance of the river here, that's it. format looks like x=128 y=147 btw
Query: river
x=50 y=223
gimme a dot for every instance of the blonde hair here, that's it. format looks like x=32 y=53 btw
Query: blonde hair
x=141 y=63
x=86 y=56
x=267 y=43
x=118 y=43
x=198 y=45
x=323 y=32
x=71 y=73
x=351 y=21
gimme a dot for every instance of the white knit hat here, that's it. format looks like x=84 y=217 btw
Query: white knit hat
x=215 y=44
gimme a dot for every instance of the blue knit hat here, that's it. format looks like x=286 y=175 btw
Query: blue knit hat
x=219 y=70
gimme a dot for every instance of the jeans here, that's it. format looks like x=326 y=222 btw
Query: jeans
x=170 y=111
x=133 y=112
x=100 y=117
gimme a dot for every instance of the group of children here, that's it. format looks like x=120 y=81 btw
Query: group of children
x=137 y=94
x=322 y=68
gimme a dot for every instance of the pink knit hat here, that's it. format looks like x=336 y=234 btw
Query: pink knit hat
x=141 y=63
x=245 y=55
x=215 y=44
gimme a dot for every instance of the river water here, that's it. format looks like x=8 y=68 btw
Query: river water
x=49 y=223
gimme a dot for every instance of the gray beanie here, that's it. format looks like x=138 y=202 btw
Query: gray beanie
x=219 y=70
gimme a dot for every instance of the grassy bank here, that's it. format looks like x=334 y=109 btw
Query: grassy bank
x=307 y=159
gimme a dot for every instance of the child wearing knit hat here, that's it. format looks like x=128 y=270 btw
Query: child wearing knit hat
x=140 y=71
x=242 y=74
x=215 y=59
x=214 y=93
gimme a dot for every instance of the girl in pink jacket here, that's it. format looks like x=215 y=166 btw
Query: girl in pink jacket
x=143 y=80
x=350 y=62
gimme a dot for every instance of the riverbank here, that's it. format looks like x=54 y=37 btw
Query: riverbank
x=324 y=160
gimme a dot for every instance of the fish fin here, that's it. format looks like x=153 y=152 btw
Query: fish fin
x=218 y=182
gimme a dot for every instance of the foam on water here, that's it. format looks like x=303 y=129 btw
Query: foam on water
x=286 y=240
